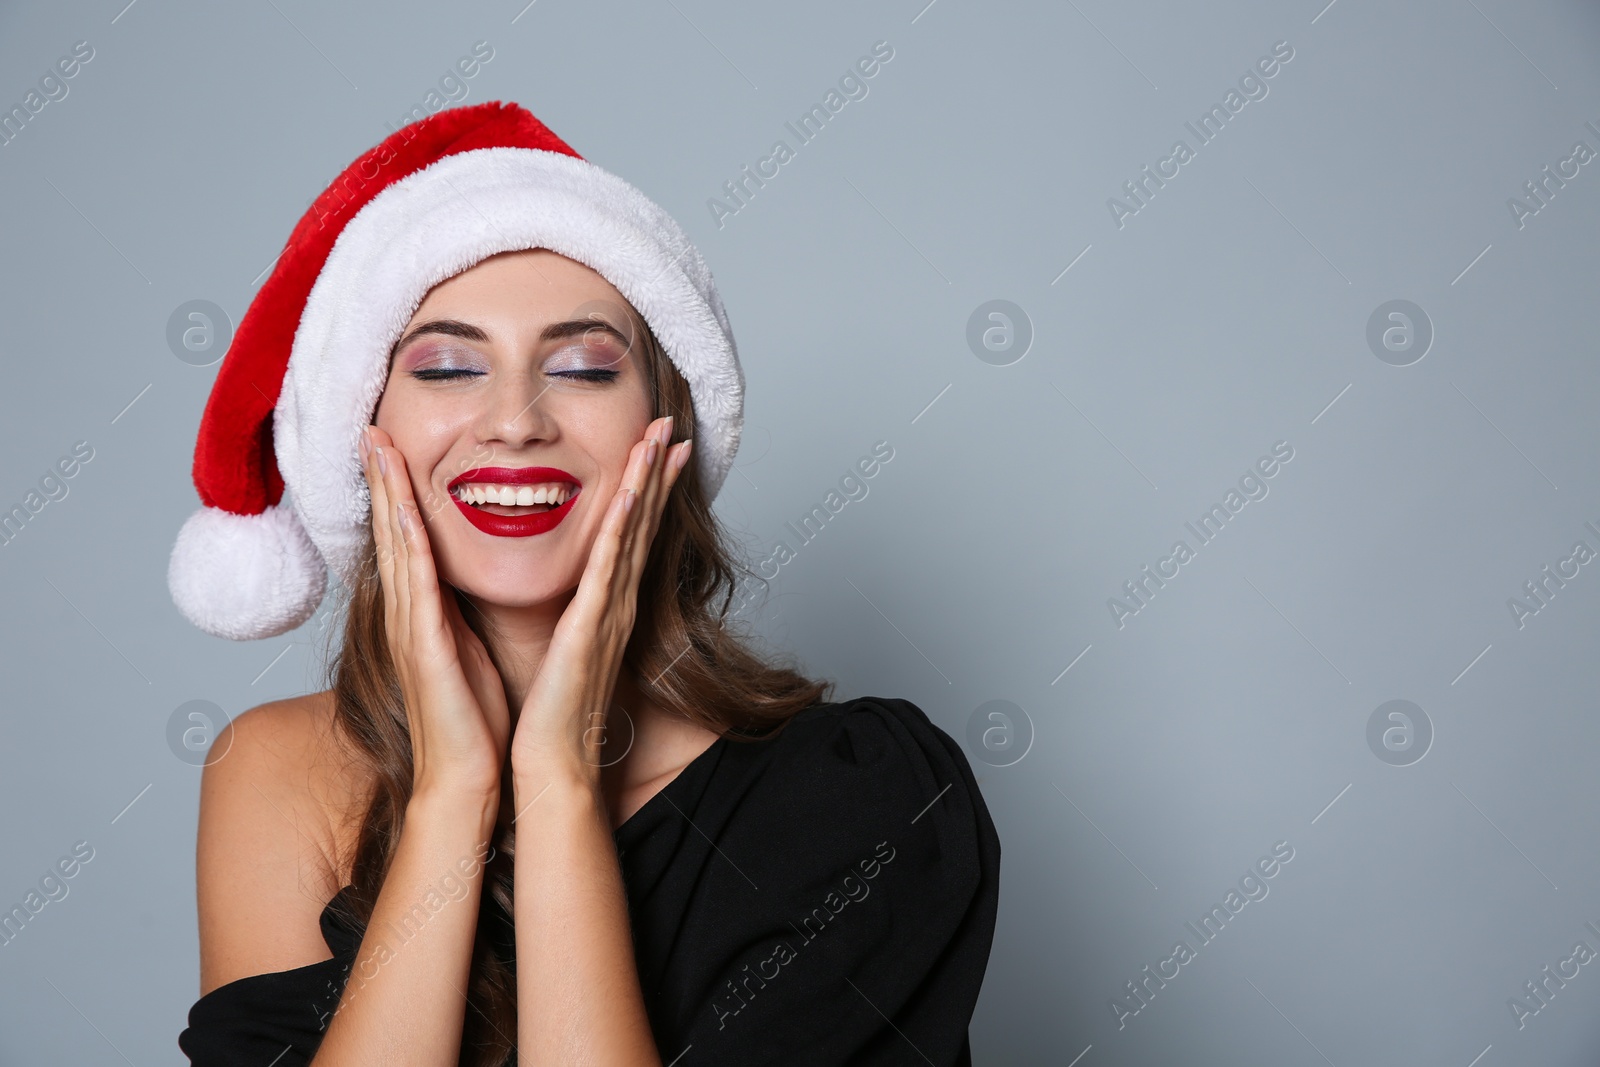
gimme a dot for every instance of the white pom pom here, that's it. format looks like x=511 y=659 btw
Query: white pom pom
x=245 y=577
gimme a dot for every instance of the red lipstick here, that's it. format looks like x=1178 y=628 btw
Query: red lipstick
x=536 y=522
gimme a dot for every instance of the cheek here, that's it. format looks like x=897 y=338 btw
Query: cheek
x=609 y=434
x=420 y=435
x=618 y=445
x=391 y=414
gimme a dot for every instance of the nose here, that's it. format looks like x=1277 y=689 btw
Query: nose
x=516 y=414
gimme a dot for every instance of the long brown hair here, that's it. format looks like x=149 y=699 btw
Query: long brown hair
x=689 y=655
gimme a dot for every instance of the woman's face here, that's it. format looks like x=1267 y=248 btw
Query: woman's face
x=522 y=361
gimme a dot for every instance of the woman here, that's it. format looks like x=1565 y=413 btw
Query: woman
x=551 y=808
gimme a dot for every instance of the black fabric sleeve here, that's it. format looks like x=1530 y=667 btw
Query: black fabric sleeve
x=276 y=1018
x=856 y=905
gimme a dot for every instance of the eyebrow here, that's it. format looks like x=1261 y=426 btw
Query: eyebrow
x=556 y=331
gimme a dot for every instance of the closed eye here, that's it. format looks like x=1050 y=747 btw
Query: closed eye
x=592 y=375
x=437 y=374
x=434 y=374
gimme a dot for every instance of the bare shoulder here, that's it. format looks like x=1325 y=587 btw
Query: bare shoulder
x=279 y=804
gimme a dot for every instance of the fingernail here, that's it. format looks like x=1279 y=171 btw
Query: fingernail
x=627 y=501
x=650 y=452
x=683 y=455
x=383 y=467
x=405 y=520
x=666 y=430
x=366 y=444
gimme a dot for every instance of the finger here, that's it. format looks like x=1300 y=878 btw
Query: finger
x=599 y=586
x=474 y=658
x=425 y=613
x=383 y=550
x=645 y=477
x=400 y=561
x=669 y=468
x=483 y=678
x=653 y=492
x=595 y=587
x=664 y=476
x=672 y=464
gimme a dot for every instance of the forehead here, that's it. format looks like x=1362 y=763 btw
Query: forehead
x=523 y=299
x=535 y=286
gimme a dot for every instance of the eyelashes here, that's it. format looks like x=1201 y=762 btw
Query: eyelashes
x=438 y=374
x=595 y=375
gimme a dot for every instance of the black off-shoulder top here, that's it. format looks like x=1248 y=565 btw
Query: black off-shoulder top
x=825 y=896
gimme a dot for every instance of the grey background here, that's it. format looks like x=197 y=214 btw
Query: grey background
x=1229 y=314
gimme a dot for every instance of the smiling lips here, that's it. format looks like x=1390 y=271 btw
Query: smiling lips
x=514 y=501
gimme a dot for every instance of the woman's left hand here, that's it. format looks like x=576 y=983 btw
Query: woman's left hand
x=561 y=726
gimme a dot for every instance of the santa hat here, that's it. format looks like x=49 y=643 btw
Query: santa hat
x=310 y=357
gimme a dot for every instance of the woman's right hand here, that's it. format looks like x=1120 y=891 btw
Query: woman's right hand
x=454 y=697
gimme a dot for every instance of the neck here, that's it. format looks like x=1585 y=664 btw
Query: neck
x=517 y=639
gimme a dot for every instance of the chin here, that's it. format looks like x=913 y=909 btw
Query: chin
x=510 y=582
x=525 y=599
x=524 y=594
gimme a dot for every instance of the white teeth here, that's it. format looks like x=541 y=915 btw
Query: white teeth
x=553 y=494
